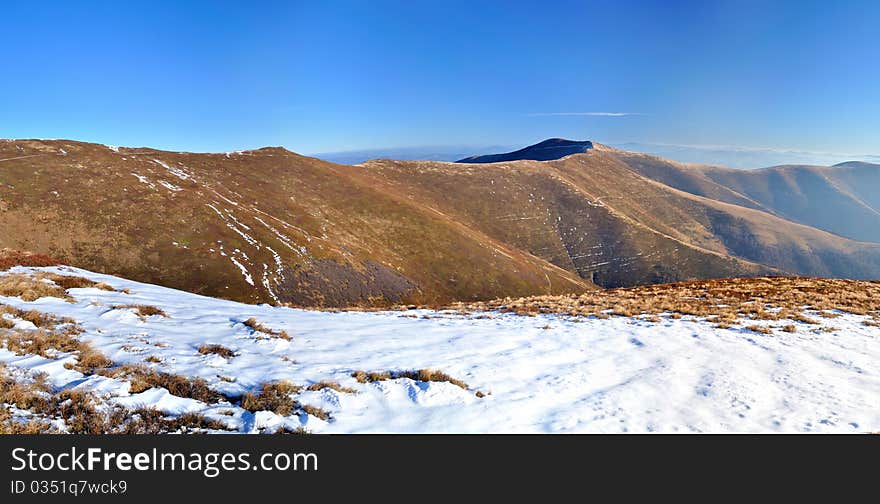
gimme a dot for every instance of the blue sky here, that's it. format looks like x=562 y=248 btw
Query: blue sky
x=321 y=76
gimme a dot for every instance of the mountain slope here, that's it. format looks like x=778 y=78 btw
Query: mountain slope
x=265 y=225
x=842 y=199
x=591 y=213
x=273 y=226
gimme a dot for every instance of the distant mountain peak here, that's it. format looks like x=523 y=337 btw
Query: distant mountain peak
x=552 y=148
x=856 y=164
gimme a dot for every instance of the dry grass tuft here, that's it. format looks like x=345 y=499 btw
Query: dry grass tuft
x=423 y=375
x=760 y=329
x=315 y=412
x=53 y=336
x=143 y=378
x=151 y=421
x=331 y=385
x=90 y=360
x=800 y=317
x=278 y=398
x=143 y=311
x=67 y=281
x=220 y=350
x=365 y=377
x=299 y=431
x=29 y=288
x=45 y=343
x=256 y=326
x=272 y=397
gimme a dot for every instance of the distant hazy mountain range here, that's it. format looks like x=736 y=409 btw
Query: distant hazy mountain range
x=734 y=157
x=269 y=225
x=436 y=153
x=739 y=157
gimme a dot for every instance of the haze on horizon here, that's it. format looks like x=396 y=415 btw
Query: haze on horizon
x=751 y=77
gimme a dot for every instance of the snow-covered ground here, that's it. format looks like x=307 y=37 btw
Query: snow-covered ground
x=536 y=374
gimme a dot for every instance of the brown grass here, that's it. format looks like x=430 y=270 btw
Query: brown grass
x=45 y=343
x=27 y=395
x=143 y=311
x=40 y=319
x=151 y=421
x=143 y=378
x=29 y=288
x=760 y=329
x=272 y=397
x=220 y=350
x=81 y=413
x=331 y=385
x=365 y=377
x=423 y=375
x=315 y=412
x=278 y=398
x=53 y=335
x=299 y=431
x=729 y=300
x=10 y=258
x=800 y=317
x=67 y=281
x=255 y=325
x=90 y=360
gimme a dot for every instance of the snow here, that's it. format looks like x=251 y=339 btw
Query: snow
x=247 y=276
x=177 y=172
x=144 y=180
x=540 y=374
x=169 y=186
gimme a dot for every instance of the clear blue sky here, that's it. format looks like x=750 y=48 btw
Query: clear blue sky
x=317 y=76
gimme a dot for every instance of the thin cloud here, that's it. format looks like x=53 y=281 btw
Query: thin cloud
x=591 y=114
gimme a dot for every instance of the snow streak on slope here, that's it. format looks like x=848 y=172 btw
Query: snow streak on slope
x=535 y=374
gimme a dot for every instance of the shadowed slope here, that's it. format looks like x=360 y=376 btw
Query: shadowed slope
x=553 y=148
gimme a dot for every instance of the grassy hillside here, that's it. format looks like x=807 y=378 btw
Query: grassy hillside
x=272 y=226
x=842 y=199
x=265 y=225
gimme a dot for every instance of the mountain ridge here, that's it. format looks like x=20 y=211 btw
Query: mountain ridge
x=270 y=225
